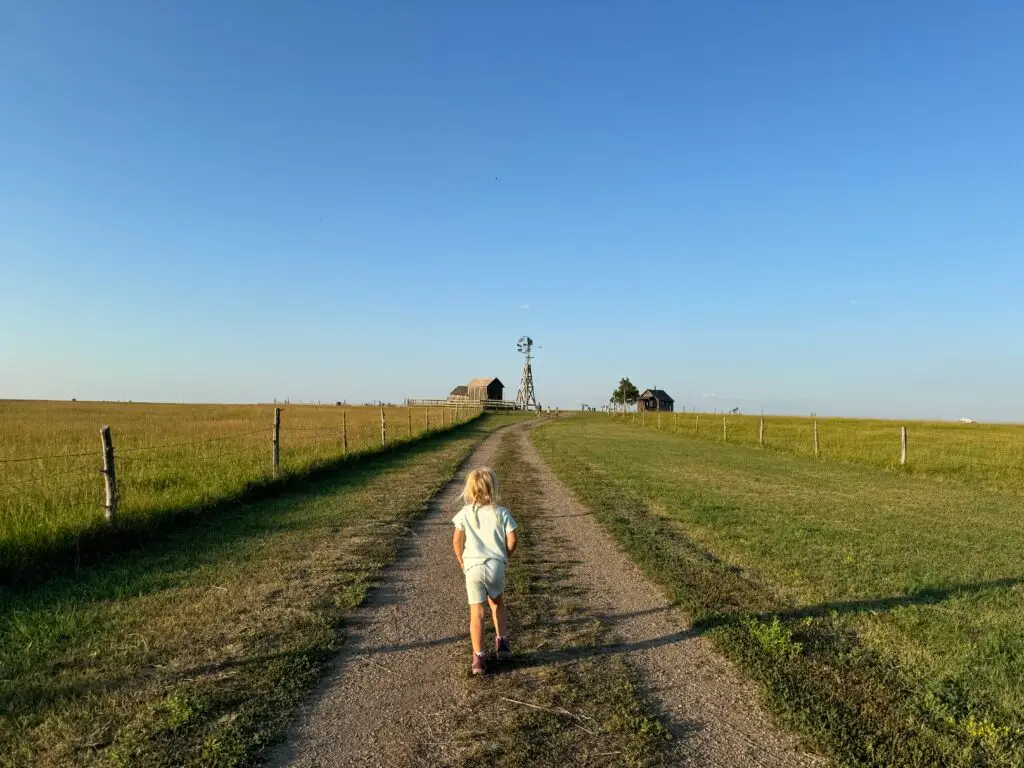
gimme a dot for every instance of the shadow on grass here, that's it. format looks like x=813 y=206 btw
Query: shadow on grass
x=926 y=596
x=30 y=697
x=556 y=656
x=193 y=531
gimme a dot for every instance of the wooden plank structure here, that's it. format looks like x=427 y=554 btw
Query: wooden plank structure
x=655 y=400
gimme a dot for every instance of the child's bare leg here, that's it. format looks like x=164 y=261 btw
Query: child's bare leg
x=499 y=615
x=476 y=626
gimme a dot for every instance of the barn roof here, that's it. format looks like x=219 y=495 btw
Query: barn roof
x=658 y=394
x=460 y=390
x=484 y=381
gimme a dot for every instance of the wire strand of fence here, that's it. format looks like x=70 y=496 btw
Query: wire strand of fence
x=48 y=476
x=157 y=446
x=353 y=434
x=247 y=451
x=151 y=459
x=87 y=481
x=158 y=460
x=44 y=458
x=48 y=488
x=147 y=459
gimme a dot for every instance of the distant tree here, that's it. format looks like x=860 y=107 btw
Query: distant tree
x=626 y=392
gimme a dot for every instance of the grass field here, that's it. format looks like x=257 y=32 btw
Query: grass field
x=882 y=612
x=168 y=458
x=982 y=454
x=194 y=650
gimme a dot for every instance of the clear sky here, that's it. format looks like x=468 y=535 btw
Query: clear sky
x=789 y=206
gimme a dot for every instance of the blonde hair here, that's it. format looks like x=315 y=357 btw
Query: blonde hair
x=481 y=489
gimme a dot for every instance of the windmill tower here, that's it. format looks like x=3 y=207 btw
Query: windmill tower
x=526 y=398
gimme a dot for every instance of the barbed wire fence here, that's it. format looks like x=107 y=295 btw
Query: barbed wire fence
x=892 y=444
x=100 y=467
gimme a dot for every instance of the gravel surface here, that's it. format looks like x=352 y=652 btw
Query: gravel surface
x=396 y=687
x=400 y=676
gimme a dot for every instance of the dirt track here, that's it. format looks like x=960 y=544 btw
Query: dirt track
x=396 y=688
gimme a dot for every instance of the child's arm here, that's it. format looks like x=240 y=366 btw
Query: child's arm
x=511 y=541
x=459 y=544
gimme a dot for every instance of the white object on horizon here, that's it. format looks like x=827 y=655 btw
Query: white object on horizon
x=965 y=420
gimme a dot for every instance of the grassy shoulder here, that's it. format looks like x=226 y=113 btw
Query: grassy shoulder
x=883 y=614
x=555 y=703
x=195 y=649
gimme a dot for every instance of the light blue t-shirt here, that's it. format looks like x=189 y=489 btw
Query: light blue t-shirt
x=485 y=529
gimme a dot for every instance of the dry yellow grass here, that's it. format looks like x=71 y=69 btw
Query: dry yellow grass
x=168 y=458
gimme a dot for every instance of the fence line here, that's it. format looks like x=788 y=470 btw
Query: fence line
x=110 y=457
x=886 y=444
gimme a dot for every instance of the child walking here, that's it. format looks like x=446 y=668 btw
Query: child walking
x=484 y=539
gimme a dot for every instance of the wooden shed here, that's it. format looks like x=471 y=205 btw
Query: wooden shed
x=655 y=400
x=486 y=389
x=459 y=394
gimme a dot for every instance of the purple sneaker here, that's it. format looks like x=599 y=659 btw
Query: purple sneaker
x=502 y=647
x=479 y=664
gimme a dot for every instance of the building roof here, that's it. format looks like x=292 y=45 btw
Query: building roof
x=657 y=394
x=459 y=390
x=484 y=382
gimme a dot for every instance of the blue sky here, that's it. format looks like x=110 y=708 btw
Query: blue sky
x=792 y=206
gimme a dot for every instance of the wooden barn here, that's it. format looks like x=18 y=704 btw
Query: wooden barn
x=654 y=400
x=486 y=389
x=460 y=394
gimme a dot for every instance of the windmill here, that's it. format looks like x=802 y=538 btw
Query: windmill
x=526 y=398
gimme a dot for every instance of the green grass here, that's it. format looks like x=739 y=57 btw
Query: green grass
x=882 y=612
x=990 y=455
x=169 y=459
x=194 y=650
x=586 y=708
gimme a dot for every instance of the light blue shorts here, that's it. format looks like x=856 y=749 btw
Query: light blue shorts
x=485 y=579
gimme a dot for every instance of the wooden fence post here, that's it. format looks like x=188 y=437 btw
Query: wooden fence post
x=815 y=438
x=426 y=418
x=344 y=433
x=903 y=446
x=633 y=420
x=409 y=409
x=696 y=425
x=760 y=433
x=383 y=428
x=659 y=421
x=725 y=435
x=277 y=440
x=109 y=476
